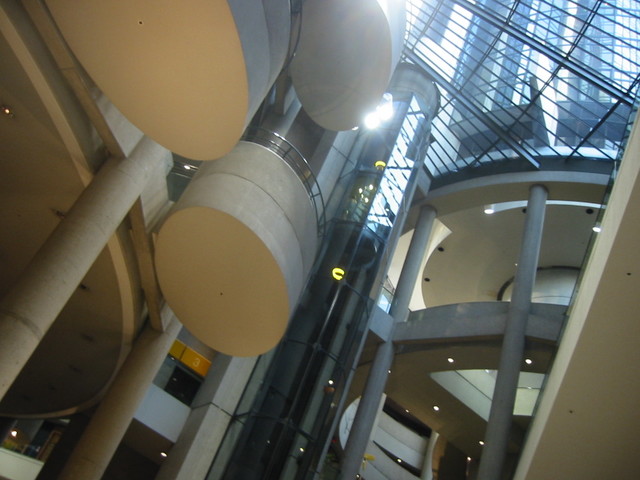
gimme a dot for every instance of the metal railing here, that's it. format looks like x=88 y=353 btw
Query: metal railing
x=292 y=156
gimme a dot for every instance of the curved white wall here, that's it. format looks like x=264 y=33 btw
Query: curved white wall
x=234 y=254
x=554 y=285
x=346 y=54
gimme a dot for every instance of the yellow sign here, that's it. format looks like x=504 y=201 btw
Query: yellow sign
x=195 y=361
x=190 y=358
x=177 y=349
x=337 y=273
x=380 y=164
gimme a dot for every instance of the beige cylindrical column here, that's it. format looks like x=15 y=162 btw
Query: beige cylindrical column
x=47 y=283
x=108 y=425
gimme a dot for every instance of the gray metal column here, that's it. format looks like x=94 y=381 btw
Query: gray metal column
x=500 y=416
x=374 y=388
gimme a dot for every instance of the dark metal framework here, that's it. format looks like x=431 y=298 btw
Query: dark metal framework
x=550 y=83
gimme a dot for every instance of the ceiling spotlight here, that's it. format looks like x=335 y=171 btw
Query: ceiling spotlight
x=481 y=442
x=14 y=433
x=163 y=454
x=6 y=109
x=330 y=382
x=597 y=228
x=528 y=361
x=388 y=371
x=406 y=410
x=450 y=360
x=436 y=408
x=187 y=166
x=489 y=210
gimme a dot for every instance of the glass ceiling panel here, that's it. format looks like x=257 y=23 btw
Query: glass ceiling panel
x=536 y=81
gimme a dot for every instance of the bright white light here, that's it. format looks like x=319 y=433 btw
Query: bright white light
x=14 y=433
x=450 y=360
x=597 y=228
x=385 y=109
x=372 y=120
x=528 y=361
x=330 y=382
x=481 y=442
x=187 y=167
x=489 y=210
x=163 y=454
x=436 y=408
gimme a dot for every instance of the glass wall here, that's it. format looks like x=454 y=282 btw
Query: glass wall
x=527 y=82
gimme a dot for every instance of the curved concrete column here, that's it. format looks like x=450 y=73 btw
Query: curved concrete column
x=109 y=423
x=234 y=254
x=189 y=74
x=29 y=309
x=346 y=55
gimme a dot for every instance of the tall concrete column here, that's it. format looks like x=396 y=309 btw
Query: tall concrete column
x=108 y=425
x=211 y=411
x=31 y=306
x=511 y=356
x=374 y=388
x=427 y=464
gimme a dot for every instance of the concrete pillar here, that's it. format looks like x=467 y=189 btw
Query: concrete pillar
x=374 y=388
x=504 y=394
x=193 y=453
x=108 y=425
x=31 y=306
x=427 y=464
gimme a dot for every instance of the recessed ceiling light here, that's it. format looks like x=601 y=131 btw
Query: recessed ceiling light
x=399 y=460
x=301 y=449
x=187 y=167
x=597 y=228
x=406 y=410
x=450 y=360
x=163 y=454
x=330 y=382
x=436 y=408
x=528 y=361
x=481 y=442
x=388 y=371
x=6 y=109
x=14 y=433
x=489 y=210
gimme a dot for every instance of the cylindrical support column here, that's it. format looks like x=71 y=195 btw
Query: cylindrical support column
x=108 y=425
x=427 y=464
x=504 y=394
x=377 y=379
x=47 y=283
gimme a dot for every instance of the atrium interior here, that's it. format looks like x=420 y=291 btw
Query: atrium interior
x=319 y=239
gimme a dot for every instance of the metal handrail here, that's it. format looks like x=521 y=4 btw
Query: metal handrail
x=292 y=156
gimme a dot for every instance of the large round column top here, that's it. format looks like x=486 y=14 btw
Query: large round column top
x=176 y=70
x=345 y=57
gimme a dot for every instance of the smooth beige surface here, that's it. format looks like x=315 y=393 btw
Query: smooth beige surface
x=175 y=69
x=221 y=281
x=343 y=62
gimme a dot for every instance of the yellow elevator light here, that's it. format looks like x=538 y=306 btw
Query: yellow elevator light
x=337 y=273
x=380 y=164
